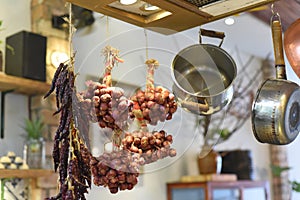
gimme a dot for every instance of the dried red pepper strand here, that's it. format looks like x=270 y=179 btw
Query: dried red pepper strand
x=86 y=157
x=66 y=99
x=64 y=155
x=56 y=149
x=76 y=169
x=53 y=84
x=64 y=190
x=61 y=84
x=65 y=132
x=76 y=173
x=63 y=123
x=56 y=154
x=80 y=168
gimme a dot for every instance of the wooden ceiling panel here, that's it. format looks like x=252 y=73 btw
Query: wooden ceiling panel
x=175 y=15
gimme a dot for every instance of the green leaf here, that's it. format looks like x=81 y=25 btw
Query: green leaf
x=277 y=170
x=295 y=186
x=0 y=29
x=12 y=50
x=0 y=26
x=224 y=133
x=34 y=128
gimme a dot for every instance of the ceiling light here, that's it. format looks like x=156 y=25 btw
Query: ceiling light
x=150 y=7
x=229 y=21
x=127 y=2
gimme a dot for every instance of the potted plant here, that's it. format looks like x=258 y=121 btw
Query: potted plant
x=34 y=145
x=34 y=128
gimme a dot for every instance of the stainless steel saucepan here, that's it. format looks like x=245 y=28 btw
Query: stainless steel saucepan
x=203 y=75
x=276 y=109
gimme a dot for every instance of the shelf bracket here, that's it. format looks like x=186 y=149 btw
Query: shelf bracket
x=3 y=93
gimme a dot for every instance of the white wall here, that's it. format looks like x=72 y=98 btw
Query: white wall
x=15 y=15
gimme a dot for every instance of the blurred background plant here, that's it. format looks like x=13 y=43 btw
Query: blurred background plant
x=33 y=128
x=277 y=172
x=219 y=127
x=7 y=46
x=34 y=147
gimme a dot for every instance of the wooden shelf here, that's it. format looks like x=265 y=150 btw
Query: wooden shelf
x=22 y=85
x=26 y=173
x=19 y=85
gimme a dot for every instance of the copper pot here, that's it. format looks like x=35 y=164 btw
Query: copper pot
x=292 y=46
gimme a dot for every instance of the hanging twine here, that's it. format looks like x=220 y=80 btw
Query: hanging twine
x=107 y=27
x=111 y=59
x=146 y=38
x=139 y=116
x=72 y=30
x=152 y=64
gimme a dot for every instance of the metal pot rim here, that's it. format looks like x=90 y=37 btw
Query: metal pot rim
x=211 y=46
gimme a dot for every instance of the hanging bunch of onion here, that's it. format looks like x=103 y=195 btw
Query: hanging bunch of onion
x=156 y=103
x=106 y=105
x=116 y=170
x=156 y=106
x=151 y=146
x=111 y=107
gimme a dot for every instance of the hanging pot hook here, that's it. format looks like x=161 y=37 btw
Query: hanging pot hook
x=275 y=15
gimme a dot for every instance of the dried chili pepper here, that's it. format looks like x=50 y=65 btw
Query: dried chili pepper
x=70 y=155
x=52 y=88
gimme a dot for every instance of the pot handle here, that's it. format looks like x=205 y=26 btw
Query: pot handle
x=193 y=106
x=211 y=33
x=278 y=48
